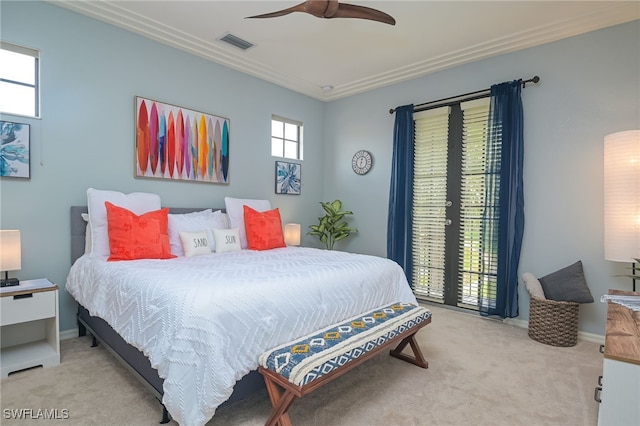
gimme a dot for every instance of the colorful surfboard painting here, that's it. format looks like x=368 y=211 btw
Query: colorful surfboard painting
x=180 y=144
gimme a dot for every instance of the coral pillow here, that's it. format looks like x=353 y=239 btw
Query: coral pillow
x=138 y=237
x=137 y=202
x=264 y=229
x=235 y=211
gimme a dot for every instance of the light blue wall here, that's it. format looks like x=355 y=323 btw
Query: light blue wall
x=90 y=74
x=590 y=87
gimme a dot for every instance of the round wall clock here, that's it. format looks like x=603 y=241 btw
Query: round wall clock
x=362 y=162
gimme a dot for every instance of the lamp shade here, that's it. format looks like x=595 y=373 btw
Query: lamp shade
x=292 y=234
x=622 y=196
x=10 y=252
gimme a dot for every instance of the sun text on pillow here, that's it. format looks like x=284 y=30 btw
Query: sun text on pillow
x=227 y=240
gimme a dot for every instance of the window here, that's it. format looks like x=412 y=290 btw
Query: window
x=454 y=231
x=286 y=138
x=19 y=85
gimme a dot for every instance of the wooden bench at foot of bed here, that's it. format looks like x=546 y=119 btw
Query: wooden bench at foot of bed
x=301 y=366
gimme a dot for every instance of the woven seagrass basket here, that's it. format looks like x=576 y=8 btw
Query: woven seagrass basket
x=553 y=322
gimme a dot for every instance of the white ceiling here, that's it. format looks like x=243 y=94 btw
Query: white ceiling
x=305 y=53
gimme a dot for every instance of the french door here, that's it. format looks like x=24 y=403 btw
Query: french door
x=455 y=204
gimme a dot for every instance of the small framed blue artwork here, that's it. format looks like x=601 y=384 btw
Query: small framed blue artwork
x=288 y=179
x=14 y=150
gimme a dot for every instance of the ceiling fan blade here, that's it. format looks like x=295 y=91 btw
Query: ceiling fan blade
x=333 y=9
x=362 y=12
x=296 y=8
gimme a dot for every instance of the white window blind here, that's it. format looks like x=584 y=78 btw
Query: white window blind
x=19 y=80
x=455 y=204
x=478 y=205
x=429 y=202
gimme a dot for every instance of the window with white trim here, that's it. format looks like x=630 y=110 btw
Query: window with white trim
x=286 y=138
x=19 y=80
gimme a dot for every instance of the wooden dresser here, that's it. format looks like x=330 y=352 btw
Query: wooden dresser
x=620 y=392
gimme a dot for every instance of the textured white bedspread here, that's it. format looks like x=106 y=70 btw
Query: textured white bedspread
x=203 y=321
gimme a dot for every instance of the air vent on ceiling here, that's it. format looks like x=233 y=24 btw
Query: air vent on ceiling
x=236 y=41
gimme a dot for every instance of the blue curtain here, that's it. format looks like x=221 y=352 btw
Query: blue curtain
x=506 y=146
x=401 y=191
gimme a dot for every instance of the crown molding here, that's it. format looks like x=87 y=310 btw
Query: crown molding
x=555 y=31
x=110 y=12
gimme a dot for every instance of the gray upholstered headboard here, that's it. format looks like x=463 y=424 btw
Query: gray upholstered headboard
x=78 y=231
x=79 y=226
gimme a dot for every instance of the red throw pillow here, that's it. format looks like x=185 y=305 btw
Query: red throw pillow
x=138 y=237
x=264 y=229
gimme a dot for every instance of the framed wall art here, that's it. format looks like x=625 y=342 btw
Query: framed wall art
x=177 y=143
x=288 y=179
x=14 y=150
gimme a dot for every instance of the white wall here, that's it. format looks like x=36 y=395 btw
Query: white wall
x=90 y=74
x=590 y=87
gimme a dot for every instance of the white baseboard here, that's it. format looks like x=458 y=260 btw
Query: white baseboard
x=582 y=335
x=591 y=337
x=69 y=334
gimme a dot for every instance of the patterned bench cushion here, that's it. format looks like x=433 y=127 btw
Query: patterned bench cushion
x=312 y=356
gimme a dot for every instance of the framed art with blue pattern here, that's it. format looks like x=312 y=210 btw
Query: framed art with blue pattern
x=14 y=150
x=288 y=178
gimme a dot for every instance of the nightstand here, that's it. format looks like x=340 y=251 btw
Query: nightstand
x=620 y=383
x=29 y=321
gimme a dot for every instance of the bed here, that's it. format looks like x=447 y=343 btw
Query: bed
x=131 y=357
x=193 y=327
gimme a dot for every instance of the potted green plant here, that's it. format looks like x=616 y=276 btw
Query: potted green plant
x=332 y=227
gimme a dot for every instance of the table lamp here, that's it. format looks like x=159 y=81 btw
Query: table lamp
x=292 y=234
x=10 y=256
x=622 y=198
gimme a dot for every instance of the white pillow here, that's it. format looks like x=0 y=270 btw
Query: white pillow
x=221 y=220
x=87 y=233
x=195 y=243
x=226 y=239
x=533 y=286
x=235 y=211
x=137 y=202
x=189 y=222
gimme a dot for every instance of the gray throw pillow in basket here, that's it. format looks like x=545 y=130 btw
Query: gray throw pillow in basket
x=567 y=284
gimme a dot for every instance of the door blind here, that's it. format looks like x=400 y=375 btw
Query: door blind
x=429 y=202
x=479 y=200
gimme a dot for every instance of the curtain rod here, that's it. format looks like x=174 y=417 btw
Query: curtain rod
x=465 y=97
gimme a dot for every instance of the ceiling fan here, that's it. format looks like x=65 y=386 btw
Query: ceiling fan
x=333 y=9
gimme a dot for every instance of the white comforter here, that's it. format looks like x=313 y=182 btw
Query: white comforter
x=203 y=321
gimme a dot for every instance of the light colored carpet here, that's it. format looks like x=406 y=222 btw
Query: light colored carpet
x=481 y=372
